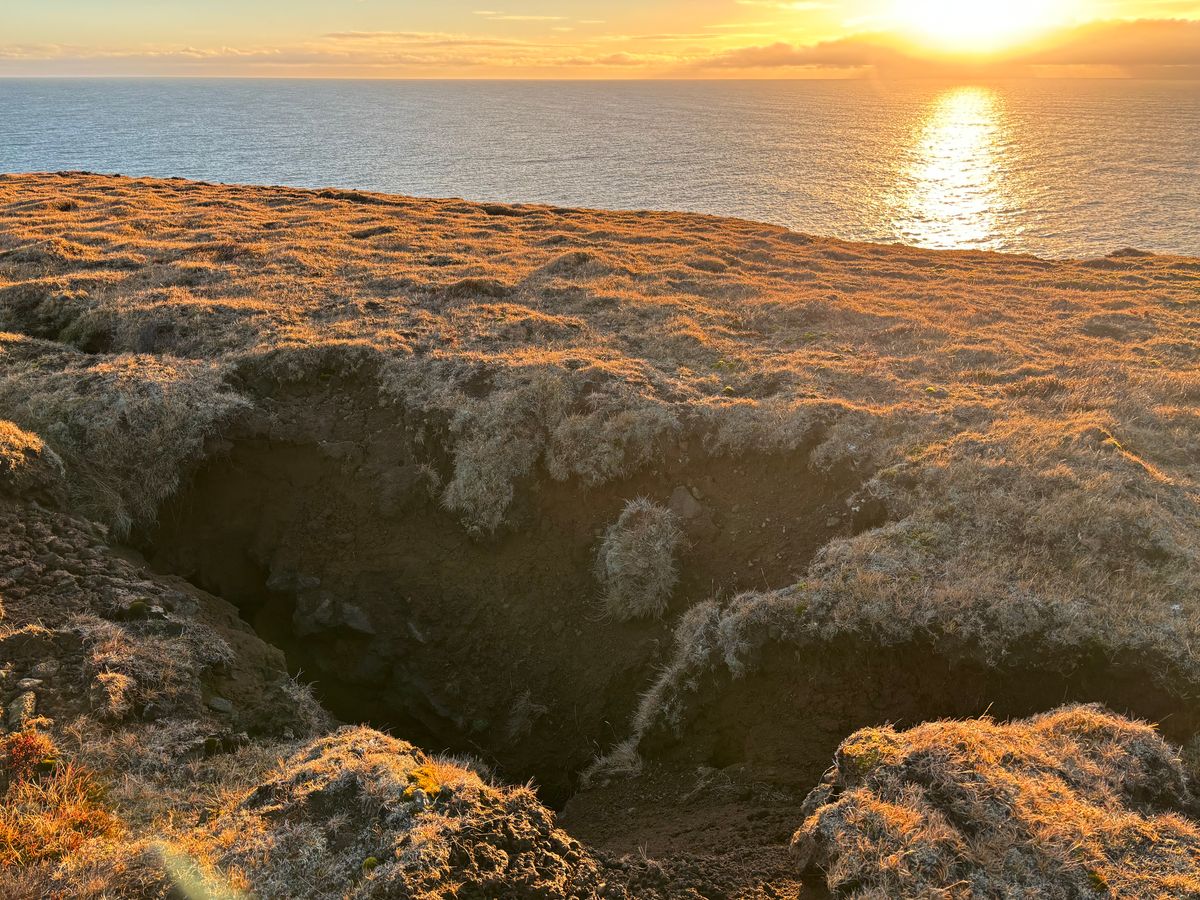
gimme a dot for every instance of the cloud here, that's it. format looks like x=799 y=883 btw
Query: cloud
x=420 y=38
x=1162 y=47
x=1137 y=43
x=497 y=16
x=1155 y=44
x=843 y=53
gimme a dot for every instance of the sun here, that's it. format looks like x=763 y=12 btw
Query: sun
x=974 y=27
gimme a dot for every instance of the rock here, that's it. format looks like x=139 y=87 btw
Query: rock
x=355 y=619
x=288 y=581
x=313 y=613
x=45 y=668
x=23 y=708
x=319 y=612
x=684 y=505
x=220 y=704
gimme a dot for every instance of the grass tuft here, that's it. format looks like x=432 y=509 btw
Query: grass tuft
x=636 y=561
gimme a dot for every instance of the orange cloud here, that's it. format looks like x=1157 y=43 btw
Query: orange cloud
x=1143 y=42
x=1131 y=45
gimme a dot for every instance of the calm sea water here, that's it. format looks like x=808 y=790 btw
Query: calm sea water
x=1058 y=168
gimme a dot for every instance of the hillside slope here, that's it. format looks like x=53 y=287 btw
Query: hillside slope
x=665 y=505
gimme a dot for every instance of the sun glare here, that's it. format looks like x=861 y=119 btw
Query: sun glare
x=965 y=26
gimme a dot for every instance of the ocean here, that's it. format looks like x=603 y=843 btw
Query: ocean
x=1058 y=168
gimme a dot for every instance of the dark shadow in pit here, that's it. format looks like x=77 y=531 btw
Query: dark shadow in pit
x=337 y=553
x=785 y=719
x=752 y=748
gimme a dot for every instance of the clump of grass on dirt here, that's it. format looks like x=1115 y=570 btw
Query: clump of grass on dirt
x=125 y=426
x=1073 y=803
x=361 y=814
x=636 y=561
x=27 y=466
x=577 y=418
x=50 y=807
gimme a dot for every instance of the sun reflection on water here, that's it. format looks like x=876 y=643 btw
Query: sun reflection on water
x=951 y=192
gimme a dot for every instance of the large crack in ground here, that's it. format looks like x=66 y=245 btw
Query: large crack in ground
x=337 y=551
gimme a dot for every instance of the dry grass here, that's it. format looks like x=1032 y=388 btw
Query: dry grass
x=361 y=814
x=1029 y=427
x=51 y=808
x=126 y=426
x=27 y=466
x=636 y=561
x=1074 y=803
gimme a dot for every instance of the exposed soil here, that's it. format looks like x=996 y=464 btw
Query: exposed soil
x=783 y=721
x=320 y=529
x=717 y=819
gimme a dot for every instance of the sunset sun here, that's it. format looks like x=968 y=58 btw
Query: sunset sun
x=954 y=25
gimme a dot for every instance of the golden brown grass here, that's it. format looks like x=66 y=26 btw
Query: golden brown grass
x=361 y=814
x=1029 y=426
x=125 y=425
x=27 y=465
x=50 y=808
x=1074 y=803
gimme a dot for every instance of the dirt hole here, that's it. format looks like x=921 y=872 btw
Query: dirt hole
x=337 y=552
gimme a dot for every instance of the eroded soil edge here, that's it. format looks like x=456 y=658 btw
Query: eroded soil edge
x=318 y=516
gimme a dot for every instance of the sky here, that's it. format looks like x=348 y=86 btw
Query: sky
x=592 y=39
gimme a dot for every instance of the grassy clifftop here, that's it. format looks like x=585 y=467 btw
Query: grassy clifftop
x=1030 y=425
x=893 y=454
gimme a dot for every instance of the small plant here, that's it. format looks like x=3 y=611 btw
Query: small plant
x=25 y=754
x=866 y=749
x=49 y=808
x=636 y=562
x=425 y=779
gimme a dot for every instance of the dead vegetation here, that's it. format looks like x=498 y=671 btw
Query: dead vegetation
x=1030 y=424
x=1073 y=803
x=50 y=808
x=127 y=426
x=636 y=561
x=361 y=814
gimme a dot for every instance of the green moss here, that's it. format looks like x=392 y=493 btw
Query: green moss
x=425 y=779
x=865 y=750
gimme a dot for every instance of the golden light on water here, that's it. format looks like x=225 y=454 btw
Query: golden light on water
x=951 y=190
